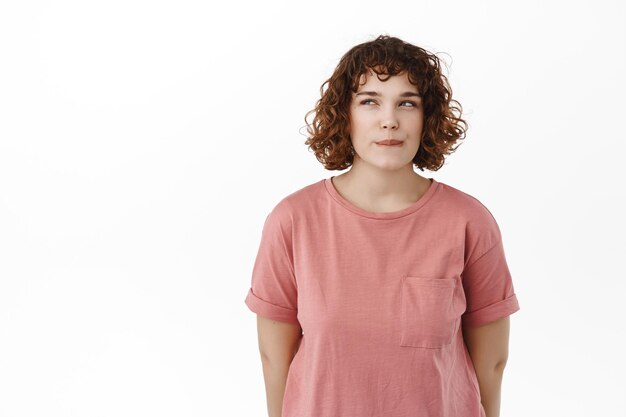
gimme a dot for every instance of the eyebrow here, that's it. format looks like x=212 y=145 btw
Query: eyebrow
x=376 y=93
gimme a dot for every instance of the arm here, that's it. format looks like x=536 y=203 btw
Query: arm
x=278 y=344
x=488 y=346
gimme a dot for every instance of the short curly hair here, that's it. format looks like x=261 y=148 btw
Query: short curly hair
x=329 y=136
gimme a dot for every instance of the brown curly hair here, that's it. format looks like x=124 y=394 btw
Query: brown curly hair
x=329 y=136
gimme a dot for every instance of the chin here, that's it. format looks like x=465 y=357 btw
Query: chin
x=391 y=165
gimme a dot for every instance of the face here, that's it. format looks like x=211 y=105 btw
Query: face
x=380 y=110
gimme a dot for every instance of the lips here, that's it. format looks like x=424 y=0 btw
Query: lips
x=389 y=142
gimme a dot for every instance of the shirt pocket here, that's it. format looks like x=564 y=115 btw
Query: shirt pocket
x=428 y=317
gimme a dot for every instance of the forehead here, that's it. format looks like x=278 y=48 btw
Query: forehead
x=394 y=83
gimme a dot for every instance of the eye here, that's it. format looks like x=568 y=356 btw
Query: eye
x=412 y=103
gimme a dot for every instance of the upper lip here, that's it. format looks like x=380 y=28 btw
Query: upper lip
x=390 y=141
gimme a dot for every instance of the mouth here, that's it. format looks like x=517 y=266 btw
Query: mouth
x=389 y=142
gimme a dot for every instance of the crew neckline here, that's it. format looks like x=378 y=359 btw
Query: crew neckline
x=386 y=215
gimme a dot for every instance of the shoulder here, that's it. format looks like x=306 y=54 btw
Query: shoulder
x=479 y=222
x=467 y=205
x=295 y=204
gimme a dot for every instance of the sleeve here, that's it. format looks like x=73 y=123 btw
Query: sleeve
x=273 y=293
x=486 y=278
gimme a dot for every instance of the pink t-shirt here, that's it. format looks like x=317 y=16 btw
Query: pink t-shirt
x=381 y=299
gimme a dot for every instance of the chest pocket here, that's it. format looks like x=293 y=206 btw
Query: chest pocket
x=428 y=317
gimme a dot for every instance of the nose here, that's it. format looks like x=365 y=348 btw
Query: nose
x=389 y=121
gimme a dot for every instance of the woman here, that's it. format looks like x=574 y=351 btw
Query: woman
x=380 y=292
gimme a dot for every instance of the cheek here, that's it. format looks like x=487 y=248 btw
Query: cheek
x=415 y=118
x=358 y=122
x=364 y=119
x=416 y=124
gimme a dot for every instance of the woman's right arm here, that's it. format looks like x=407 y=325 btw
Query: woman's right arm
x=278 y=344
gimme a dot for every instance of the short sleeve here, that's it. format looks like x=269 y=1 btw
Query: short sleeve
x=487 y=281
x=273 y=293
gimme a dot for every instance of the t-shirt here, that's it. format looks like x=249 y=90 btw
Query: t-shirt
x=381 y=298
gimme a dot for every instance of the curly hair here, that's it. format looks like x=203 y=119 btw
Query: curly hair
x=329 y=136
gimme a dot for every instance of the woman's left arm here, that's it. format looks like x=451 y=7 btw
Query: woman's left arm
x=488 y=346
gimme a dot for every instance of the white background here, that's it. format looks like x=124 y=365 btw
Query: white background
x=142 y=145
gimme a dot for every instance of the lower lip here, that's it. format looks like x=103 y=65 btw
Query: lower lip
x=389 y=146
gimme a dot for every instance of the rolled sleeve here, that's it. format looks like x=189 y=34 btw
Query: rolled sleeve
x=488 y=287
x=492 y=312
x=269 y=310
x=273 y=292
